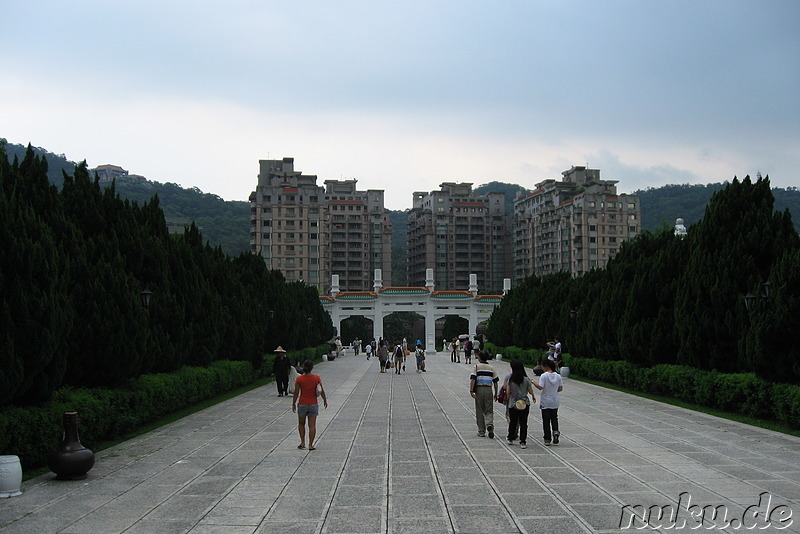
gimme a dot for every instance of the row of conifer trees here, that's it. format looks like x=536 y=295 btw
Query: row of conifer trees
x=72 y=265
x=666 y=299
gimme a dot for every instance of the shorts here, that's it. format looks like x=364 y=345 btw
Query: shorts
x=305 y=410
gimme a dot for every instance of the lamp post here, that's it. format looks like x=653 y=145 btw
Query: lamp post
x=750 y=298
x=145 y=295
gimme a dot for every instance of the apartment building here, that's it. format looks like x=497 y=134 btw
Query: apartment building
x=572 y=225
x=456 y=233
x=310 y=232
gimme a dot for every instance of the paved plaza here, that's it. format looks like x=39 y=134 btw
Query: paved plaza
x=400 y=454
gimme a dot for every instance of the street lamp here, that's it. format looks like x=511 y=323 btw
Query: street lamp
x=750 y=298
x=145 y=295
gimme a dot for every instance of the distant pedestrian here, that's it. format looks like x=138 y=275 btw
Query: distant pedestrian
x=368 y=350
x=420 y=353
x=481 y=383
x=307 y=388
x=558 y=357
x=383 y=355
x=280 y=368
x=550 y=384
x=399 y=358
x=454 y=355
x=468 y=351
x=518 y=386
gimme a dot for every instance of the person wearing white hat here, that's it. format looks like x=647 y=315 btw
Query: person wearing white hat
x=280 y=368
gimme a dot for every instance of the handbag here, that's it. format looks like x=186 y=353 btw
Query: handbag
x=502 y=397
x=319 y=390
x=520 y=404
x=293 y=374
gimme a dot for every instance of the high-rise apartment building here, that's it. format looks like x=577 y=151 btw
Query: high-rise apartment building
x=572 y=225
x=309 y=232
x=456 y=233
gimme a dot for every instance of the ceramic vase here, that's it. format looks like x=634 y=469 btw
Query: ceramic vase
x=71 y=460
x=10 y=476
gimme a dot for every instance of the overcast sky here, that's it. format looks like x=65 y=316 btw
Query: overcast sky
x=403 y=96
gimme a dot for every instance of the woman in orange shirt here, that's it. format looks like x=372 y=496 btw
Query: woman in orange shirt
x=307 y=387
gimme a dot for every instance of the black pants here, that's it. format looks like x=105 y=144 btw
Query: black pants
x=283 y=384
x=518 y=417
x=549 y=420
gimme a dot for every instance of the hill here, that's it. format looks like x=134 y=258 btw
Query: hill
x=222 y=223
x=510 y=190
x=662 y=205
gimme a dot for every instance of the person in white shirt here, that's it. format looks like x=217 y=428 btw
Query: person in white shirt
x=550 y=384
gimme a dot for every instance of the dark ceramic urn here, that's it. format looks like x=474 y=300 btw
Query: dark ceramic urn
x=71 y=460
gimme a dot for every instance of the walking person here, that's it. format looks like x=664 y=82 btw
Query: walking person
x=468 y=351
x=399 y=358
x=454 y=355
x=482 y=382
x=383 y=355
x=280 y=368
x=518 y=386
x=420 y=353
x=368 y=350
x=307 y=388
x=550 y=384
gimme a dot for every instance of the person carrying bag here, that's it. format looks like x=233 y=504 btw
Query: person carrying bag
x=518 y=387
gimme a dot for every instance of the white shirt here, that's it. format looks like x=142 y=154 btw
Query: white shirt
x=550 y=383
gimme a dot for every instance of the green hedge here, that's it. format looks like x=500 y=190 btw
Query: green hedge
x=742 y=393
x=33 y=432
x=526 y=356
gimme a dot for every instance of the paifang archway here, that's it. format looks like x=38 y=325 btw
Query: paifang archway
x=431 y=304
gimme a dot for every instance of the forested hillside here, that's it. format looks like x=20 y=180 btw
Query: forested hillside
x=223 y=223
x=662 y=205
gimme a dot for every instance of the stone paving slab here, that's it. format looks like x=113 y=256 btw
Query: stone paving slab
x=400 y=453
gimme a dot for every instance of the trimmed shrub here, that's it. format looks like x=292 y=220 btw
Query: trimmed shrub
x=33 y=432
